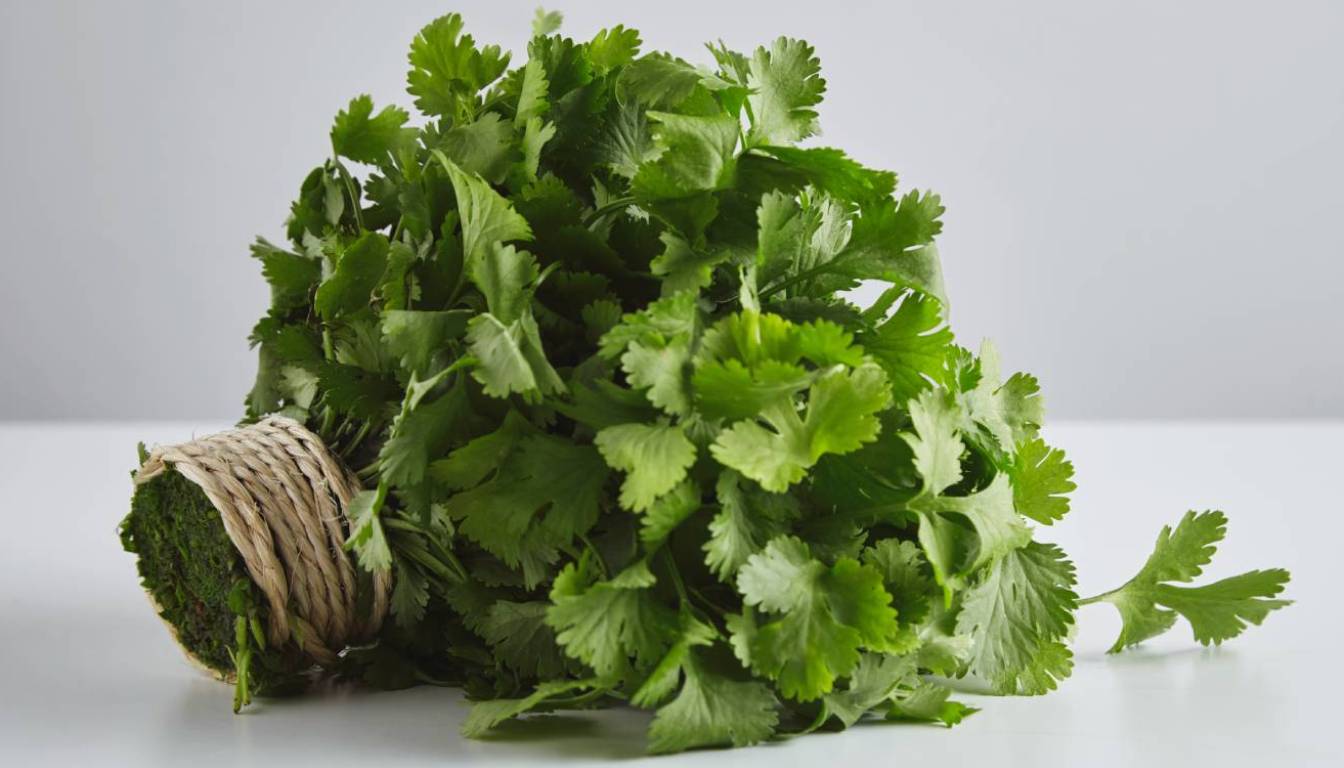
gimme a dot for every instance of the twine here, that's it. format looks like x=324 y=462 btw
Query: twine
x=283 y=499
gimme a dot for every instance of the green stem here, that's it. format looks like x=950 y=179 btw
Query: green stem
x=362 y=433
x=789 y=282
x=349 y=182
x=620 y=203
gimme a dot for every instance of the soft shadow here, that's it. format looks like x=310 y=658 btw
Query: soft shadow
x=1141 y=656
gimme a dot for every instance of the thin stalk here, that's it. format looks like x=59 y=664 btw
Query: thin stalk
x=618 y=204
x=349 y=182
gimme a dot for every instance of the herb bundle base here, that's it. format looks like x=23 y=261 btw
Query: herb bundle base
x=586 y=336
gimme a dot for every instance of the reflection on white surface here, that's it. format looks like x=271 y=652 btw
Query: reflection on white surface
x=88 y=675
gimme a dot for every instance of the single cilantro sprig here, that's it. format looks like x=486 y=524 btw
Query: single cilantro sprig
x=1149 y=602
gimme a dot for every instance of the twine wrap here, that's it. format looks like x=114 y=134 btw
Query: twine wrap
x=283 y=497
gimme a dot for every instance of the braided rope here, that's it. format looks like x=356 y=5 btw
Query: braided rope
x=283 y=497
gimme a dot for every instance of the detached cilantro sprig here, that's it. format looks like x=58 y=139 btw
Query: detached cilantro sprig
x=1150 y=602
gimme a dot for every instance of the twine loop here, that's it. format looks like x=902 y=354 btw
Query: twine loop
x=283 y=498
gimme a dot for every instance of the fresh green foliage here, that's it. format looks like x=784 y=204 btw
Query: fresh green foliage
x=1150 y=602
x=585 y=328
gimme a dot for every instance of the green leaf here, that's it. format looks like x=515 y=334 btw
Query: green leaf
x=935 y=442
x=422 y=434
x=826 y=614
x=713 y=710
x=1041 y=478
x=654 y=457
x=510 y=358
x=447 y=70
x=661 y=321
x=911 y=345
x=366 y=530
x=487 y=217
x=607 y=623
x=682 y=267
x=658 y=81
x=410 y=595
x=469 y=465
x=895 y=245
x=840 y=417
x=358 y=270
x=829 y=170
x=748 y=517
x=546 y=22
x=929 y=702
x=990 y=511
x=697 y=156
x=367 y=138
x=291 y=276
x=521 y=639
x=905 y=576
x=872 y=683
x=661 y=370
x=669 y=511
x=545 y=491
x=532 y=94
x=1016 y=613
x=1011 y=411
x=417 y=338
x=1149 y=602
x=485 y=715
x=612 y=49
x=483 y=147
x=505 y=276
x=786 y=86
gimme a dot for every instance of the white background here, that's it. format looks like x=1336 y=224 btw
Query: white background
x=1144 y=198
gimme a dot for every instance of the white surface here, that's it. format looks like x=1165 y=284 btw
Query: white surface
x=89 y=676
x=1138 y=192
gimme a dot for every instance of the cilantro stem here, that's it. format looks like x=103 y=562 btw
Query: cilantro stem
x=349 y=182
x=618 y=204
x=795 y=279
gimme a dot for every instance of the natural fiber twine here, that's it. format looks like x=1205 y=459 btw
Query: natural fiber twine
x=283 y=498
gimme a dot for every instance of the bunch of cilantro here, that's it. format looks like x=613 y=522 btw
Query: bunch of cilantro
x=585 y=333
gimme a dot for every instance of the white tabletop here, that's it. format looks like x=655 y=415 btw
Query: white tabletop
x=89 y=676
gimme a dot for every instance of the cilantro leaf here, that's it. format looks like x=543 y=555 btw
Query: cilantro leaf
x=358 y=270
x=748 y=517
x=1016 y=613
x=366 y=530
x=713 y=710
x=911 y=345
x=521 y=639
x=367 y=138
x=826 y=614
x=447 y=70
x=613 y=48
x=786 y=84
x=544 y=492
x=839 y=419
x=487 y=218
x=1149 y=602
x=873 y=682
x=485 y=715
x=697 y=155
x=654 y=457
x=546 y=22
x=928 y=702
x=935 y=442
x=1041 y=478
x=604 y=624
